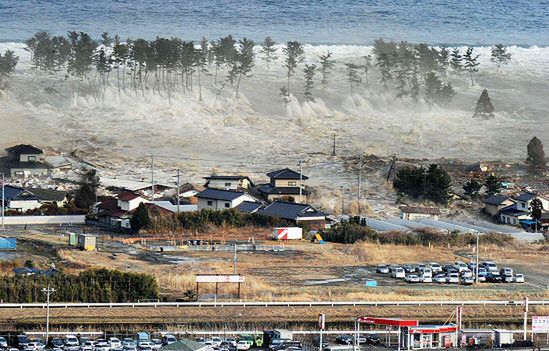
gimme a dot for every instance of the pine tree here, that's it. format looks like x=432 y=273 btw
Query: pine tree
x=384 y=65
x=455 y=60
x=352 y=75
x=366 y=67
x=86 y=193
x=8 y=62
x=484 y=107
x=326 y=66
x=432 y=87
x=500 y=56
x=536 y=206
x=268 y=51
x=309 y=72
x=492 y=184
x=294 y=55
x=245 y=60
x=443 y=59
x=472 y=187
x=106 y=39
x=471 y=63
x=141 y=219
x=536 y=155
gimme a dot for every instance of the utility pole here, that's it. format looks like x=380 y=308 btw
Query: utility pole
x=300 y=179
x=152 y=177
x=178 y=186
x=525 y=316
x=476 y=265
x=3 y=200
x=342 y=199
x=425 y=173
x=234 y=260
x=334 y=146
x=359 y=193
x=48 y=291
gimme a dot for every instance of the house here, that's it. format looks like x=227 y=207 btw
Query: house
x=411 y=213
x=129 y=201
x=249 y=207
x=495 y=203
x=49 y=196
x=524 y=201
x=228 y=182
x=168 y=205
x=25 y=199
x=512 y=215
x=58 y=163
x=216 y=199
x=285 y=184
x=24 y=161
x=294 y=212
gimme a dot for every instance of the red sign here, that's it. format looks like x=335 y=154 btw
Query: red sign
x=395 y=322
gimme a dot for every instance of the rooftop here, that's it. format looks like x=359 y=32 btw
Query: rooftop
x=286 y=173
x=24 y=149
x=496 y=199
x=421 y=210
x=270 y=189
x=526 y=197
x=217 y=194
x=48 y=194
x=290 y=210
x=127 y=196
x=248 y=206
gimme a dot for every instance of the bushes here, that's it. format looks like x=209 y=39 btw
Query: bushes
x=95 y=285
x=228 y=218
x=349 y=233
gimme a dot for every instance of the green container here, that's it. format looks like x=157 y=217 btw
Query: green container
x=73 y=239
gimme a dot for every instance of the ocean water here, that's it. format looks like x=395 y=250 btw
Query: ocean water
x=471 y=22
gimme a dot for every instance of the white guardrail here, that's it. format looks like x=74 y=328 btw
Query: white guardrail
x=273 y=304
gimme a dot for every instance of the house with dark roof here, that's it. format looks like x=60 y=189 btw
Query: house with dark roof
x=524 y=201
x=285 y=184
x=495 y=203
x=24 y=161
x=512 y=215
x=249 y=207
x=216 y=199
x=297 y=213
x=25 y=199
x=411 y=213
x=228 y=182
x=49 y=196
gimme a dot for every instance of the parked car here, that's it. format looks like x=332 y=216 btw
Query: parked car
x=168 y=339
x=3 y=343
x=22 y=341
x=115 y=343
x=216 y=340
x=231 y=341
x=408 y=268
x=507 y=278
x=482 y=277
x=493 y=278
x=34 y=346
x=57 y=343
x=440 y=278
x=460 y=266
x=490 y=266
x=506 y=271
x=467 y=280
x=372 y=339
x=449 y=268
x=472 y=266
x=71 y=341
x=452 y=278
x=361 y=339
x=383 y=269
x=519 y=278
x=398 y=273
x=244 y=344
x=393 y=267
x=82 y=340
x=344 y=339
x=467 y=273
x=412 y=278
x=425 y=279
x=482 y=269
x=435 y=267
x=88 y=346
x=428 y=272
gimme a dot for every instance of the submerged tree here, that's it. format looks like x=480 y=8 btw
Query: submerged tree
x=384 y=65
x=492 y=184
x=352 y=75
x=294 y=55
x=366 y=67
x=471 y=63
x=326 y=66
x=536 y=155
x=484 y=107
x=455 y=60
x=500 y=56
x=244 y=61
x=8 y=62
x=437 y=91
x=268 y=51
x=443 y=59
x=309 y=74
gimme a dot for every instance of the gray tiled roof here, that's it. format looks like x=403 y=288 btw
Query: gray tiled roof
x=217 y=194
x=290 y=210
x=248 y=206
x=496 y=199
x=24 y=149
x=286 y=173
x=526 y=197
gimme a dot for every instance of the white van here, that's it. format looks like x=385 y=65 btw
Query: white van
x=398 y=273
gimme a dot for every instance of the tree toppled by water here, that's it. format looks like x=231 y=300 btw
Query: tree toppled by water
x=8 y=62
x=484 y=108
x=536 y=155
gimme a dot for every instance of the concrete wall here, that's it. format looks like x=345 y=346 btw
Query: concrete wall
x=22 y=220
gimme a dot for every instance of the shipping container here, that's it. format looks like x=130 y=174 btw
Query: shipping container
x=8 y=243
x=87 y=242
x=288 y=233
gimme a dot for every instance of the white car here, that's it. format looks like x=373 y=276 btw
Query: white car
x=115 y=343
x=34 y=346
x=490 y=266
x=246 y=344
x=168 y=339
x=427 y=272
x=412 y=278
x=435 y=267
x=216 y=341
x=145 y=345
x=452 y=278
x=506 y=271
x=467 y=274
x=71 y=341
x=231 y=341
x=3 y=343
x=467 y=280
x=460 y=266
x=397 y=273
x=426 y=279
x=440 y=278
x=519 y=278
x=88 y=346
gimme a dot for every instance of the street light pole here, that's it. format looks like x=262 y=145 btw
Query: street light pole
x=3 y=199
x=476 y=265
x=48 y=291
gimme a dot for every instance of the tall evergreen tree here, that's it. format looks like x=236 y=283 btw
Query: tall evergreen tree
x=366 y=68
x=492 y=184
x=141 y=218
x=443 y=59
x=294 y=55
x=8 y=62
x=86 y=193
x=455 y=60
x=384 y=65
x=484 y=107
x=245 y=60
x=471 y=62
x=326 y=66
x=472 y=187
x=536 y=155
x=352 y=75
x=268 y=51
x=309 y=74
x=500 y=55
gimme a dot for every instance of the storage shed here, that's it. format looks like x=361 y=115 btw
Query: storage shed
x=87 y=242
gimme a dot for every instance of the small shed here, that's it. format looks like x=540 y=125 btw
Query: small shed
x=87 y=242
x=73 y=239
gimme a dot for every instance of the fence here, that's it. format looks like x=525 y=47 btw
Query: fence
x=35 y=220
x=231 y=248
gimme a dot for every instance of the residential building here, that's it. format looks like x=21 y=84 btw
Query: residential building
x=24 y=161
x=129 y=201
x=296 y=213
x=49 y=196
x=495 y=203
x=285 y=184
x=228 y=182
x=24 y=199
x=411 y=213
x=249 y=207
x=216 y=199
x=524 y=201
x=511 y=215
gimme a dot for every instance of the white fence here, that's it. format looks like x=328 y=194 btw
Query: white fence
x=247 y=247
x=34 y=220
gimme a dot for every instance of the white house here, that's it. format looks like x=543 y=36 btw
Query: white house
x=129 y=201
x=524 y=201
x=216 y=199
x=228 y=182
x=411 y=213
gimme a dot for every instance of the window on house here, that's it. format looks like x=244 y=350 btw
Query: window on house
x=227 y=184
x=227 y=205
x=292 y=183
x=19 y=173
x=32 y=158
x=210 y=203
